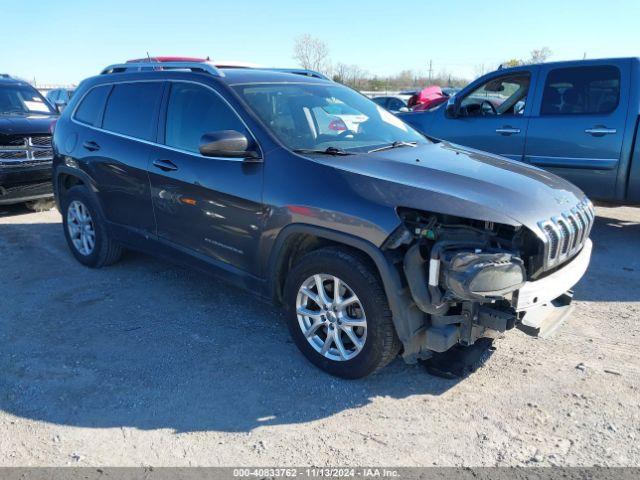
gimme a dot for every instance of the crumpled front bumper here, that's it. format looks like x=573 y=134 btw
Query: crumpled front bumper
x=545 y=304
x=540 y=292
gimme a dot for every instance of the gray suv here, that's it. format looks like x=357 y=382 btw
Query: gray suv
x=375 y=239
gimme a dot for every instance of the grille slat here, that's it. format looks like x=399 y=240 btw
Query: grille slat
x=565 y=234
x=14 y=154
x=14 y=142
x=40 y=141
x=26 y=151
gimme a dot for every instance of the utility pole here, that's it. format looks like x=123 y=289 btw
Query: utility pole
x=430 y=70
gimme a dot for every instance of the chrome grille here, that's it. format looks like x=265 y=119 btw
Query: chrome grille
x=26 y=151
x=565 y=234
x=40 y=141
x=14 y=142
x=13 y=155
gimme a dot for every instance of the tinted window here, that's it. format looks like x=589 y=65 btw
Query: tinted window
x=382 y=101
x=90 y=108
x=132 y=109
x=194 y=110
x=395 y=104
x=581 y=90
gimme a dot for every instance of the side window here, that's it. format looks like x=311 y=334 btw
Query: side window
x=91 y=106
x=132 y=109
x=499 y=96
x=194 y=110
x=395 y=104
x=382 y=101
x=581 y=90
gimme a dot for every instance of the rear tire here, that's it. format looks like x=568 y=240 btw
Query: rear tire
x=85 y=229
x=366 y=348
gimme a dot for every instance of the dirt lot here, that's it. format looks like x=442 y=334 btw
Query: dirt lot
x=145 y=363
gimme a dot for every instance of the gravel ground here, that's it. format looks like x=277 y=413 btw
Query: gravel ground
x=145 y=363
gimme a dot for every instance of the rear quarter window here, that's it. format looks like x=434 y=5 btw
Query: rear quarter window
x=581 y=91
x=91 y=106
x=132 y=109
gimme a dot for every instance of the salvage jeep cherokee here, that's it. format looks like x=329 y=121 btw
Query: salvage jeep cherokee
x=376 y=240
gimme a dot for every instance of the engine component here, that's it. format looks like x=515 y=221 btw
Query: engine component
x=414 y=269
x=483 y=276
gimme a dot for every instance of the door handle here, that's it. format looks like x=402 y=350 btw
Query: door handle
x=91 y=146
x=165 y=165
x=600 y=131
x=508 y=130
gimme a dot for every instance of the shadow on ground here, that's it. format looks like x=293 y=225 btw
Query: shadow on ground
x=148 y=345
x=614 y=272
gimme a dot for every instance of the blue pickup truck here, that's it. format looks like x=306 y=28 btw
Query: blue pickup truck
x=576 y=119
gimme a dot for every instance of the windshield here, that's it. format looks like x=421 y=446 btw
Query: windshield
x=22 y=100
x=318 y=116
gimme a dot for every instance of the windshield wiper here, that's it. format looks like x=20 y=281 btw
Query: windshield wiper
x=327 y=151
x=395 y=144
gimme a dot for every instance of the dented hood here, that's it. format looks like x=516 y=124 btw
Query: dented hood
x=454 y=180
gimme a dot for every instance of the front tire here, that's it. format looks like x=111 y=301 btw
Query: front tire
x=86 y=231
x=338 y=315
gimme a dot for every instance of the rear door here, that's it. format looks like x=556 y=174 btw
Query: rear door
x=492 y=117
x=117 y=151
x=206 y=205
x=578 y=124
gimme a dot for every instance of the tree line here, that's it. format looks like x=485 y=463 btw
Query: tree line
x=313 y=54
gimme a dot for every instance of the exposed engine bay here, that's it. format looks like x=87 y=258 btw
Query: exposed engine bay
x=463 y=275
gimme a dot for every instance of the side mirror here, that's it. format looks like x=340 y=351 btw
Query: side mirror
x=60 y=105
x=227 y=144
x=452 y=108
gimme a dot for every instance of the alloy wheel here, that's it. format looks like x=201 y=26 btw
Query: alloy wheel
x=331 y=317
x=81 y=229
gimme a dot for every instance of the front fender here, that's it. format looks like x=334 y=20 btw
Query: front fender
x=407 y=318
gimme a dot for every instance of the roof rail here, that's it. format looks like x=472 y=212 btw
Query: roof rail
x=299 y=71
x=205 y=67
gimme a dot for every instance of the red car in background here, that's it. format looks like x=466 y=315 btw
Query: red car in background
x=427 y=98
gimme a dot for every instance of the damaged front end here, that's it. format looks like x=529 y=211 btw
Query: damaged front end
x=465 y=277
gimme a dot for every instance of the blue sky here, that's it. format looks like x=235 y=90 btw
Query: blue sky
x=64 y=41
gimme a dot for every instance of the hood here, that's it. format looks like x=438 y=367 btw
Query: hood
x=449 y=179
x=11 y=125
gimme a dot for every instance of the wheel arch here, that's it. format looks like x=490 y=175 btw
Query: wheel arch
x=66 y=177
x=297 y=239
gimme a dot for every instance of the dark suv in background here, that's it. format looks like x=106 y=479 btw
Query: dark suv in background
x=376 y=240
x=25 y=143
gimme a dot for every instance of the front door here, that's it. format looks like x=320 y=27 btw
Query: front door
x=492 y=117
x=578 y=125
x=206 y=206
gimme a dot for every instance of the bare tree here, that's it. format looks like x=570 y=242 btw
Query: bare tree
x=540 y=55
x=350 y=75
x=479 y=69
x=311 y=53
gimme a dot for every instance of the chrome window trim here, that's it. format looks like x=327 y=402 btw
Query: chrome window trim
x=162 y=145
